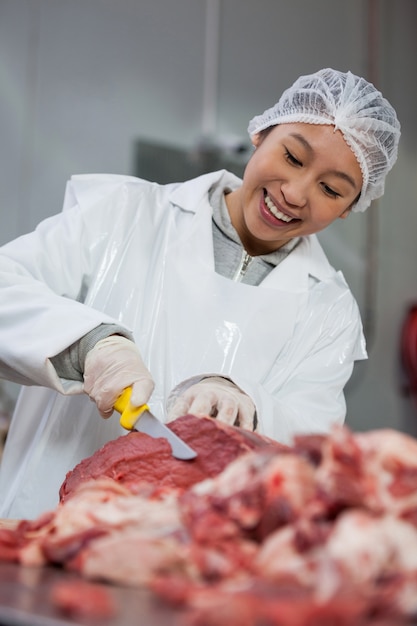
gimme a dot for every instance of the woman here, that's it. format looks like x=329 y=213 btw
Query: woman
x=211 y=296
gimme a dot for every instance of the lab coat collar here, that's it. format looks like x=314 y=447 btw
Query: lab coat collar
x=190 y=194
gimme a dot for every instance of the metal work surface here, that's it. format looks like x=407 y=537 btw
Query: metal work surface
x=25 y=600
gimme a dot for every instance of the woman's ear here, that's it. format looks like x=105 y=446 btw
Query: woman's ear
x=259 y=137
x=256 y=140
x=345 y=213
x=349 y=209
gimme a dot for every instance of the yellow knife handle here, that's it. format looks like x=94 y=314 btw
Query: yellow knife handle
x=129 y=414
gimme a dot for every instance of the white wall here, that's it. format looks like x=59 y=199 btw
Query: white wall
x=82 y=80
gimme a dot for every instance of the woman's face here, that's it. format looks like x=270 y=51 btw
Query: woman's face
x=300 y=179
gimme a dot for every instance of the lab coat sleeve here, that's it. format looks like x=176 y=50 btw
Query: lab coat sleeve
x=43 y=278
x=303 y=392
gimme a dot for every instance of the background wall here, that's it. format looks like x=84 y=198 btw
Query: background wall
x=81 y=81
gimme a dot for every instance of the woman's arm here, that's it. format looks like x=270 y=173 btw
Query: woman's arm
x=44 y=276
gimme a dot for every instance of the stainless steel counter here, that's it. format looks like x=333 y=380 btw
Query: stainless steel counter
x=25 y=600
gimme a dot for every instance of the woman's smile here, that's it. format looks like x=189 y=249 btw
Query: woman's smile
x=270 y=207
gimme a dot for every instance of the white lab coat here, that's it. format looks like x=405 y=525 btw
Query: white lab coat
x=140 y=254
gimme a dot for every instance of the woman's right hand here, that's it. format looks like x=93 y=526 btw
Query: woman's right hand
x=112 y=365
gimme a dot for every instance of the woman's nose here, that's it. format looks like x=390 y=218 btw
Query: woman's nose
x=294 y=192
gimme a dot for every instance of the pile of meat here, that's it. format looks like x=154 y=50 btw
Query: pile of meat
x=249 y=533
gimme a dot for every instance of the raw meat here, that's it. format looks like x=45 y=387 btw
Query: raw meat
x=145 y=464
x=322 y=533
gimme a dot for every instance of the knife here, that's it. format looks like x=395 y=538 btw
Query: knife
x=140 y=418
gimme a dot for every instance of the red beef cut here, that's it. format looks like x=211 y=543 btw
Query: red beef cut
x=142 y=463
x=319 y=534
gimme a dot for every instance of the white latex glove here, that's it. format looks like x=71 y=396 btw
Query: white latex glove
x=112 y=365
x=219 y=398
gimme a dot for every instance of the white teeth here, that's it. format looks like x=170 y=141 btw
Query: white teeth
x=271 y=206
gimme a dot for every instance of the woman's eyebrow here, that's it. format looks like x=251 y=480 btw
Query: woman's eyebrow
x=303 y=141
x=309 y=149
x=345 y=177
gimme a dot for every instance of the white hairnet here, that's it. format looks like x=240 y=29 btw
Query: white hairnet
x=355 y=107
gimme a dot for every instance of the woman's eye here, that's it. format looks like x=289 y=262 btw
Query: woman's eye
x=291 y=158
x=330 y=192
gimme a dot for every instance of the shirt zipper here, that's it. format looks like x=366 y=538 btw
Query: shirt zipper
x=242 y=267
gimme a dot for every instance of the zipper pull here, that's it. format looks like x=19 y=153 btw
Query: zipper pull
x=243 y=266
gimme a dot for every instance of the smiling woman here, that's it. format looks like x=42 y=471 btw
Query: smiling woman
x=139 y=285
x=300 y=178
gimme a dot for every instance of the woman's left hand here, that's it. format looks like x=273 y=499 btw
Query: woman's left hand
x=216 y=397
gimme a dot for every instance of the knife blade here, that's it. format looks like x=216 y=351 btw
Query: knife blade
x=141 y=419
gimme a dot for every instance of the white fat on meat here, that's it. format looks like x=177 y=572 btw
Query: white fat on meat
x=391 y=458
x=135 y=558
x=369 y=547
x=107 y=505
x=288 y=477
x=279 y=560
